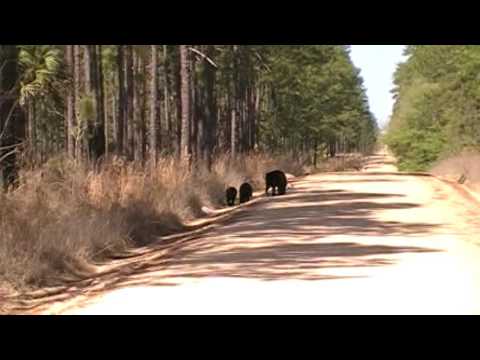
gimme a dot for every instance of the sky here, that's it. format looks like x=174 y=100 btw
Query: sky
x=378 y=64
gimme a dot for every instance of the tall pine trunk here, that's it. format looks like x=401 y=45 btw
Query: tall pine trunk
x=102 y=119
x=12 y=120
x=129 y=124
x=210 y=119
x=95 y=135
x=31 y=130
x=143 y=110
x=70 y=62
x=121 y=102
x=255 y=117
x=194 y=104
x=139 y=108
x=137 y=149
x=76 y=89
x=185 y=104
x=166 y=101
x=234 y=108
x=87 y=71
x=114 y=118
x=97 y=146
x=153 y=104
x=178 y=103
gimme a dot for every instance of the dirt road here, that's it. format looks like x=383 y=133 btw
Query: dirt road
x=374 y=242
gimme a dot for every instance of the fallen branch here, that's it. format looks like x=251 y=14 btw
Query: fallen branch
x=259 y=57
x=205 y=57
x=7 y=155
x=10 y=146
x=7 y=120
x=5 y=62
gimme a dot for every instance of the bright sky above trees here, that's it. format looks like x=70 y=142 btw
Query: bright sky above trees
x=378 y=64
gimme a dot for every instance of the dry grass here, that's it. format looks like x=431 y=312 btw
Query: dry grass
x=350 y=162
x=465 y=164
x=66 y=218
x=253 y=168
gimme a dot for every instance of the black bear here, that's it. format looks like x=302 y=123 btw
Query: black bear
x=246 y=192
x=277 y=181
x=231 y=196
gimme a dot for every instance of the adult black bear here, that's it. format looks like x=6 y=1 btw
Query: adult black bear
x=277 y=181
x=246 y=192
x=231 y=196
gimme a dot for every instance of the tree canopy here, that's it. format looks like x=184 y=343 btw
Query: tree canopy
x=91 y=101
x=436 y=111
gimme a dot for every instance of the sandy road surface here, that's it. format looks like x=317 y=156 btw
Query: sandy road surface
x=373 y=242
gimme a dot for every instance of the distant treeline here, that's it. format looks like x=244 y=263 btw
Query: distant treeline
x=437 y=105
x=192 y=101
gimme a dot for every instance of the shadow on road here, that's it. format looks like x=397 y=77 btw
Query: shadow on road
x=356 y=181
x=284 y=242
x=276 y=239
